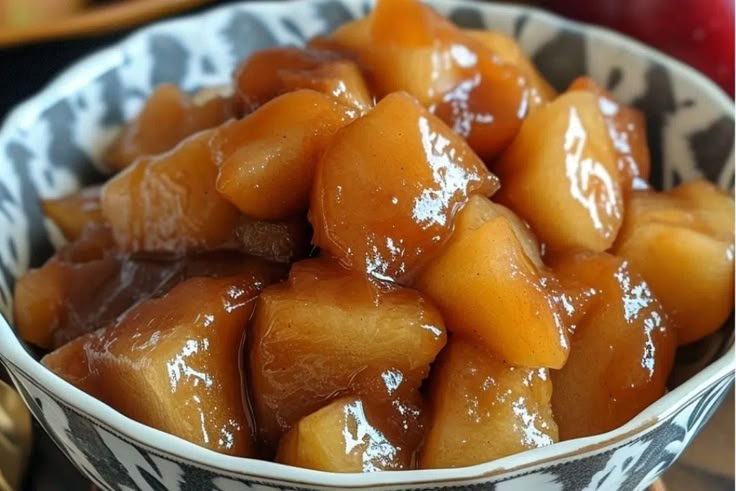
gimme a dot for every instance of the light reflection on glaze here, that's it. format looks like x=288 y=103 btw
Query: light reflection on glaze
x=590 y=183
x=526 y=426
x=458 y=98
x=392 y=379
x=377 y=452
x=636 y=299
x=463 y=57
x=178 y=367
x=431 y=208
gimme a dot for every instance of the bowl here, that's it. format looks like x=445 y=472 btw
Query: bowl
x=51 y=145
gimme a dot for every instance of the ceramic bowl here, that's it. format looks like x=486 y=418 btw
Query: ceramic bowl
x=51 y=145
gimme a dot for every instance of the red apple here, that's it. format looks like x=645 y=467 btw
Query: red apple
x=699 y=32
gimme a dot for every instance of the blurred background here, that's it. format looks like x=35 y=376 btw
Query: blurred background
x=38 y=38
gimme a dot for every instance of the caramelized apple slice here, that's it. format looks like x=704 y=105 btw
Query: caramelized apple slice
x=168 y=117
x=480 y=210
x=347 y=435
x=170 y=203
x=560 y=175
x=86 y=286
x=509 y=51
x=266 y=160
x=271 y=72
x=487 y=106
x=487 y=287
x=474 y=92
x=388 y=187
x=328 y=332
x=682 y=241
x=622 y=348
x=46 y=298
x=628 y=132
x=171 y=363
x=484 y=409
x=259 y=78
x=72 y=213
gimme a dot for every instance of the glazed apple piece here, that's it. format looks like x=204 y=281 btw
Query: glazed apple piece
x=178 y=356
x=475 y=93
x=271 y=72
x=72 y=213
x=712 y=205
x=682 y=241
x=167 y=117
x=484 y=409
x=328 y=332
x=479 y=210
x=170 y=202
x=487 y=106
x=488 y=288
x=509 y=51
x=258 y=78
x=44 y=297
x=266 y=160
x=388 y=187
x=560 y=175
x=348 y=435
x=86 y=285
x=621 y=352
x=341 y=79
x=628 y=132
x=410 y=57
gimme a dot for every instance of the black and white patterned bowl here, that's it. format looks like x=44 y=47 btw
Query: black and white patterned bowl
x=51 y=145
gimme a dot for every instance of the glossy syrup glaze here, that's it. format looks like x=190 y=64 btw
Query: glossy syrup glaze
x=175 y=361
x=327 y=332
x=622 y=348
x=387 y=208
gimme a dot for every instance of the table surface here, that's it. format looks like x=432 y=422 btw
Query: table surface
x=708 y=464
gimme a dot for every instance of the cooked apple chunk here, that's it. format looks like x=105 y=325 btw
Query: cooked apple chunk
x=266 y=160
x=327 y=332
x=479 y=96
x=628 y=132
x=87 y=285
x=340 y=79
x=484 y=409
x=170 y=202
x=172 y=363
x=168 y=117
x=388 y=187
x=682 y=242
x=486 y=286
x=560 y=175
x=509 y=51
x=621 y=351
x=271 y=72
x=347 y=435
x=72 y=213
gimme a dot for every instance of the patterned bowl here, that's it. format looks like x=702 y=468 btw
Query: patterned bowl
x=51 y=145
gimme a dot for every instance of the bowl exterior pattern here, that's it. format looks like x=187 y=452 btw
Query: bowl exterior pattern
x=115 y=462
x=52 y=146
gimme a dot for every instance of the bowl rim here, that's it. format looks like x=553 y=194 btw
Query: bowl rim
x=170 y=447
